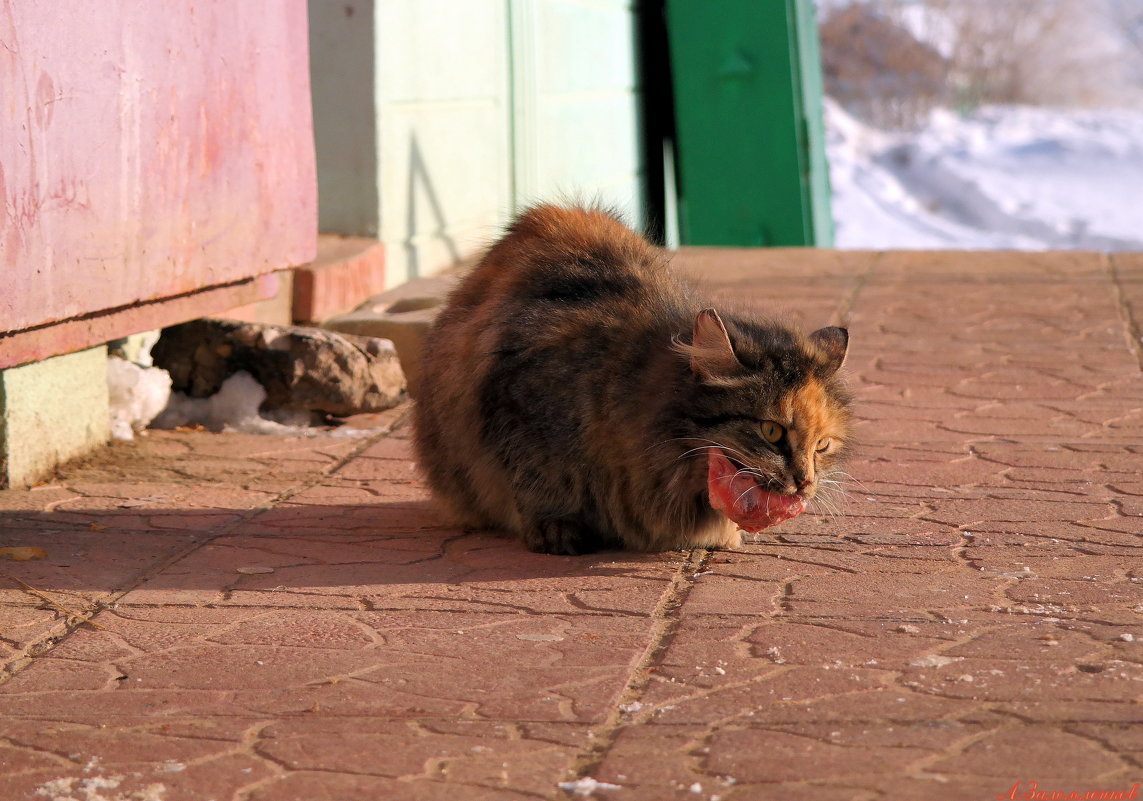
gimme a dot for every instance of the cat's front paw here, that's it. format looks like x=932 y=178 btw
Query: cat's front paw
x=723 y=536
x=561 y=537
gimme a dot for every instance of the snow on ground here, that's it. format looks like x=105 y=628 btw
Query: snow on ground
x=1002 y=177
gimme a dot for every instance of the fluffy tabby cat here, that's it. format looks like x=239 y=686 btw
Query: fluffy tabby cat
x=575 y=394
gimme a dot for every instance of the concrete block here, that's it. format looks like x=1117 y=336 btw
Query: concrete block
x=403 y=315
x=51 y=411
x=347 y=271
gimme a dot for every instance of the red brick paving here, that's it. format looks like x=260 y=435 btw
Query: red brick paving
x=263 y=619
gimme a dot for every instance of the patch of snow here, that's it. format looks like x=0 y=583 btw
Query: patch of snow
x=236 y=408
x=136 y=395
x=1003 y=177
x=935 y=660
x=586 y=786
x=233 y=408
x=97 y=788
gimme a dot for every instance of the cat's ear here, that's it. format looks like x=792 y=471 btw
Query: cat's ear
x=833 y=342
x=710 y=352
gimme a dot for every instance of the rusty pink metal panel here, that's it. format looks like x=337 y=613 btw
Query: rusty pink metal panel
x=149 y=150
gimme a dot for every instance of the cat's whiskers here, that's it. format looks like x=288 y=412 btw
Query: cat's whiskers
x=831 y=495
x=709 y=445
x=851 y=478
x=753 y=473
x=666 y=442
x=834 y=485
x=827 y=506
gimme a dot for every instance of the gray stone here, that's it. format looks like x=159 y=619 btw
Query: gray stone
x=403 y=315
x=300 y=368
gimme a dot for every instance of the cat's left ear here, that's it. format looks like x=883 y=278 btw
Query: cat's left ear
x=710 y=352
x=833 y=342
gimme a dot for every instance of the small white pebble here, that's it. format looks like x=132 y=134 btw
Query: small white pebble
x=934 y=661
x=1127 y=637
x=586 y=786
x=696 y=788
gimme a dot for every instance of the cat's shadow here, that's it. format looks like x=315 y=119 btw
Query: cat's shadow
x=360 y=549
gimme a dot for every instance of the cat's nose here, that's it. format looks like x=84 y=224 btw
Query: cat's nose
x=803 y=481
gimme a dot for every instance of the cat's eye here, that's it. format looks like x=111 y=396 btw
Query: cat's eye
x=771 y=431
x=823 y=444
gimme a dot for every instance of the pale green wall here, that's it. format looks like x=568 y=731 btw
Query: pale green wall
x=345 y=114
x=576 y=102
x=477 y=108
x=51 y=411
x=443 y=114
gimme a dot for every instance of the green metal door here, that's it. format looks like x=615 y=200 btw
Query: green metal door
x=750 y=140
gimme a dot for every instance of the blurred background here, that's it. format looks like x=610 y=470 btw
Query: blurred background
x=976 y=124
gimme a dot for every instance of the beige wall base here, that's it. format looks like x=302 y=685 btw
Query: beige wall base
x=51 y=411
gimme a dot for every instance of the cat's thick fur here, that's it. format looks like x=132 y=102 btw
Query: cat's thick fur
x=572 y=387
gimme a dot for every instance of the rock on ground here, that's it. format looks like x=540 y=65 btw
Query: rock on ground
x=300 y=368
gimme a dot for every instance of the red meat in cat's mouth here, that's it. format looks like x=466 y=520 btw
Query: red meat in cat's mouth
x=735 y=492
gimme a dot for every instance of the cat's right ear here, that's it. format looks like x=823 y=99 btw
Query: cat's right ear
x=710 y=352
x=833 y=342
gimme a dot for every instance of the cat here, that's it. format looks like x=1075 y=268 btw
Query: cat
x=574 y=393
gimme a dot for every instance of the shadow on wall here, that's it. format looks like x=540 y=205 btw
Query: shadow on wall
x=419 y=176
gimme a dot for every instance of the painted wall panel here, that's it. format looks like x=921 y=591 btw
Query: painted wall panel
x=443 y=109
x=445 y=189
x=576 y=104
x=343 y=79
x=585 y=47
x=149 y=150
x=440 y=50
x=479 y=107
x=588 y=141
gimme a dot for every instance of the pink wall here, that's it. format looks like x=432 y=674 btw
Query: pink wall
x=147 y=150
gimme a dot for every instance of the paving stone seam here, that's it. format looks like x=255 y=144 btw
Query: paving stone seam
x=1133 y=329
x=88 y=610
x=666 y=615
x=849 y=297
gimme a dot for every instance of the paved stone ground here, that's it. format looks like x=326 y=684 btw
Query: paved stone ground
x=234 y=617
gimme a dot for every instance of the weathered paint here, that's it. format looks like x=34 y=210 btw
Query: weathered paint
x=148 y=151
x=67 y=336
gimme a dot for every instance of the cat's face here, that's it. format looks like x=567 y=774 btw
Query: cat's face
x=794 y=439
x=771 y=402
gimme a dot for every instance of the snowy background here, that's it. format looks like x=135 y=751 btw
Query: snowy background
x=1001 y=177
x=1057 y=166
